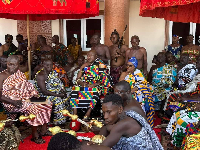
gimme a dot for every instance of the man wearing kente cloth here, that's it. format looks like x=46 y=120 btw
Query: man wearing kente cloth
x=60 y=51
x=140 y=88
x=92 y=80
x=8 y=47
x=15 y=93
x=191 y=49
x=162 y=79
x=50 y=86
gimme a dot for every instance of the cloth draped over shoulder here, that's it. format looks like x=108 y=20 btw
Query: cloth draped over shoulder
x=60 y=53
x=165 y=75
x=176 y=51
x=55 y=85
x=144 y=93
x=146 y=139
x=83 y=97
x=16 y=87
x=10 y=50
x=74 y=50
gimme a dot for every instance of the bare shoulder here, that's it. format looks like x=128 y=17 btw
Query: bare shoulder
x=3 y=75
x=104 y=46
x=142 y=49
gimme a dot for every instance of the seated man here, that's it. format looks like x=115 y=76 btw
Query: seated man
x=50 y=86
x=92 y=80
x=131 y=132
x=15 y=90
x=140 y=88
x=23 y=66
x=3 y=62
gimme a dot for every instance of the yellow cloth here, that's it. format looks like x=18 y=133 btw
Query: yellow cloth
x=27 y=75
x=74 y=51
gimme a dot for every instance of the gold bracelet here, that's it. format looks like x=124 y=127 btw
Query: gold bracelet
x=77 y=81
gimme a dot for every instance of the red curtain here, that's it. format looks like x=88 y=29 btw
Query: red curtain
x=174 y=10
x=47 y=10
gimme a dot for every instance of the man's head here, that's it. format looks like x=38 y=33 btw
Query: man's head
x=190 y=39
x=73 y=40
x=42 y=41
x=114 y=37
x=13 y=64
x=155 y=61
x=112 y=107
x=95 y=39
x=132 y=65
x=81 y=60
x=184 y=59
x=3 y=62
x=169 y=57
x=91 y=56
x=123 y=89
x=70 y=59
x=48 y=65
x=55 y=39
x=47 y=56
x=8 y=38
x=38 y=38
x=161 y=57
x=19 y=38
x=135 y=41
x=64 y=141
x=21 y=58
x=175 y=38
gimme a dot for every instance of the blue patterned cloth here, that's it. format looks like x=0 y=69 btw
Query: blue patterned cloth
x=146 y=139
x=176 y=51
x=165 y=75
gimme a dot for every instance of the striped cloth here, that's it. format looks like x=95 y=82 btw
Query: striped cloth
x=16 y=87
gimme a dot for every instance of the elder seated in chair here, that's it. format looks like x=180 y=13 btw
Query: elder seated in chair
x=92 y=81
x=15 y=91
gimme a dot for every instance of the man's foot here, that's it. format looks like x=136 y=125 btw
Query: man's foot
x=47 y=133
x=38 y=140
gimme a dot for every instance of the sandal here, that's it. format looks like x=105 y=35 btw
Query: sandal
x=48 y=133
x=38 y=140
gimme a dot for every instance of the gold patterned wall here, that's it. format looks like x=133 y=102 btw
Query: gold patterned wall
x=36 y=28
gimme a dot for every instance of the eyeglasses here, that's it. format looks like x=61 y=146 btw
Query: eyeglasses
x=129 y=65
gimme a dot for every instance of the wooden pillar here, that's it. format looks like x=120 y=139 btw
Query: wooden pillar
x=116 y=17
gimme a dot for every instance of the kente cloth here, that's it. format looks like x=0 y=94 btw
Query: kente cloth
x=165 y=75
x=16 y=87
x=61 y=74
x=178 y=123
x=55 y=85
x=186 y=73
x=11 y=49
x=84 y=97
x=146 y=139
x=74 y=50
x=144 y=93
x=10 y=138
x=176 y=51
x=115 y=73
x=98 y=72
x=193 y=54
x=60 y=53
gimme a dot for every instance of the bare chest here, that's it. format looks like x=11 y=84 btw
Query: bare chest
x=137 y=54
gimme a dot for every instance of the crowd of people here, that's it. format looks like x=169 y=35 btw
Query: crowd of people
x=112 y=83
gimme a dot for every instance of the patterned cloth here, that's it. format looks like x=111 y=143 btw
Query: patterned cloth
x=144 y=94
x=146 y=139
x=16 y=87
x=176 y=51
x=165 y=75
x=11 y=49
x=10 y=138
x=74 y=50
x=60 y=54
x=96 y=72
x=61 y=74
x=192 y=54
x=134 y=61
x=186 y=73
x=54 y=84
x=115 y=73
x=178 y=123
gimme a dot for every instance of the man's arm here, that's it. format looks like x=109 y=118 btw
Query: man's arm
x=1 y=50
x=103 y=131
x=42 y=86
x=144 y=61
x=116 y=133
x=127 y=54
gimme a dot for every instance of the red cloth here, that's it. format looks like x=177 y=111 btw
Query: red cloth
x=45 y=10
x=174 y=10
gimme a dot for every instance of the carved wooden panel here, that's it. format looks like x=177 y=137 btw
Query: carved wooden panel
x=36 y=28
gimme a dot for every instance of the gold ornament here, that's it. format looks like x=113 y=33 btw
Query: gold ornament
x=66 y=113
x=2 y=125
x=23 y=118
x=98 y=139
x=55 y=130
x=96 y=123
x=72 y=132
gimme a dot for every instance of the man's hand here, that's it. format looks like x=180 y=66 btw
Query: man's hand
x=17 y=103
x=145 y=73
x=134 y=89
